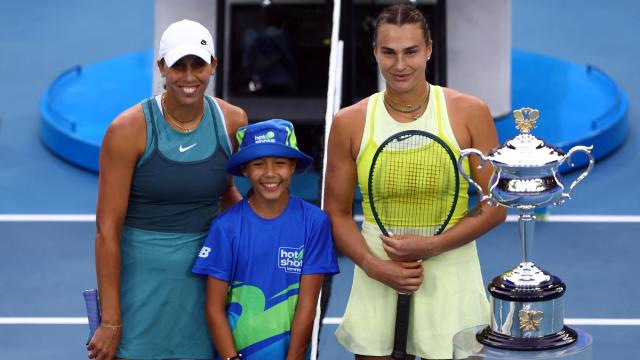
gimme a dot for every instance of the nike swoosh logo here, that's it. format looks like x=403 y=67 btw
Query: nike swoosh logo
x=403 y=138
x=183 y=149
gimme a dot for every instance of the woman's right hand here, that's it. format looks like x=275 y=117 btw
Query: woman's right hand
x=104 y=343
x=403 y=276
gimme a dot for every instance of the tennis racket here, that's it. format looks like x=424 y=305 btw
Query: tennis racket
x=92 y=303
x=413 y=189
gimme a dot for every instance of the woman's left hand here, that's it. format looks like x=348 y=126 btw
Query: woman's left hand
x=409 y=247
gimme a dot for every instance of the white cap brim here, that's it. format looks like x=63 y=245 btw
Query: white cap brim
x=178 y=53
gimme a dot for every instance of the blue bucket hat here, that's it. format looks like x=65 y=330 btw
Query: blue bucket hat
x=274 y=137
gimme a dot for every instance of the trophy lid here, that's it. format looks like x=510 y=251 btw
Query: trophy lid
x=525 y=149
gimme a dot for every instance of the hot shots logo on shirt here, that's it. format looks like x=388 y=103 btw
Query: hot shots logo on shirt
x=265 y=138
x=290 y=259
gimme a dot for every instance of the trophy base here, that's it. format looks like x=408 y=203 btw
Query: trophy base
x=467 y=347
x=564 y=337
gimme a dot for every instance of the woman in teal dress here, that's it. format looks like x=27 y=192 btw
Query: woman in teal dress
x=162 y=181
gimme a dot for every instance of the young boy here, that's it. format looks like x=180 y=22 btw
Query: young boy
x=267 y=255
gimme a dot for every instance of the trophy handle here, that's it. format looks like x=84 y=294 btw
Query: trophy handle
x=560 y=201
x=587 y=151
x=465 y=153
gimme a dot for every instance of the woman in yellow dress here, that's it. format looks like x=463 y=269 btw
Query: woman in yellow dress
x=447 y=285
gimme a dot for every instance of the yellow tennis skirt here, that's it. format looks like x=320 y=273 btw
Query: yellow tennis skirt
x=451 y=298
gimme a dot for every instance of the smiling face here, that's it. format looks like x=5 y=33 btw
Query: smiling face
x=402 y=53
x=270 y=178
x=188 y=78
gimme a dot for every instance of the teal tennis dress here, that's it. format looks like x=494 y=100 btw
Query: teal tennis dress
x=174 y=196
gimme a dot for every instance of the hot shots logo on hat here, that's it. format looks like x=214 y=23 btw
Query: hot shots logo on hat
x=268 y=137
x=271 y=138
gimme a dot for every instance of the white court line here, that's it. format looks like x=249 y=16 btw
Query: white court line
x=326 y=321
x=43 y=320
x=47 y=217
x=584 y=218
x=605 y=322
x=357 y=217
x=577 y=321
x=566 y=218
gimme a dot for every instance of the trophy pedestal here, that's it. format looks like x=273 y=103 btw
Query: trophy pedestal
x=527 y=311
x=467 y=346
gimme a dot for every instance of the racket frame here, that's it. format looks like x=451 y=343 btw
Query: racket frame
x=404 y=299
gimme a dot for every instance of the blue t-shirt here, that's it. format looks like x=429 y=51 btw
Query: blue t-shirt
x=262 y=260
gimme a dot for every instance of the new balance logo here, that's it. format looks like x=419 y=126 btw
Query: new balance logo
x=204 y=252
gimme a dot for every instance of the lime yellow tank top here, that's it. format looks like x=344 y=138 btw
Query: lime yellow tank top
x=379 y=125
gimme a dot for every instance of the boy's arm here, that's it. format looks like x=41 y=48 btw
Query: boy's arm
x=217 y=318
x=302 y=325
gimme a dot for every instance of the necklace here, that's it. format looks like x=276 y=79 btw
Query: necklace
x=178 y=124
x=415 y=111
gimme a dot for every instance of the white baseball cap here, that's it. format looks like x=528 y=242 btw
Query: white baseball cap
x=184 y=38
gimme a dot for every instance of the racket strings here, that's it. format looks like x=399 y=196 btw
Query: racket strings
x=412 y=185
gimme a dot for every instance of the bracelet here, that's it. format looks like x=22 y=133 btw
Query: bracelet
x=111 y=326
x=237 y=356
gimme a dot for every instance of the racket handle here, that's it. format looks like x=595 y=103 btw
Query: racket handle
x=402 y=327
x=92 y=304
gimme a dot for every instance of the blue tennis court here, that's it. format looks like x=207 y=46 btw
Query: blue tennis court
x=47 y=205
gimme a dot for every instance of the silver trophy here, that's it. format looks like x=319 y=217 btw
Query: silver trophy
x=527 y=306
